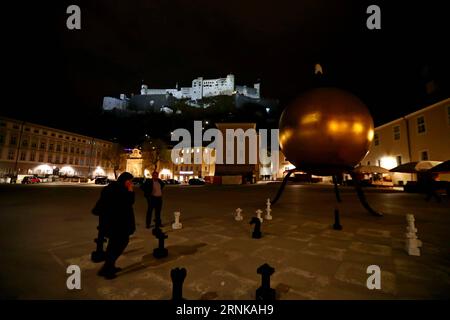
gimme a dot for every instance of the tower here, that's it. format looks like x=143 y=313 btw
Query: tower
x=257 y=87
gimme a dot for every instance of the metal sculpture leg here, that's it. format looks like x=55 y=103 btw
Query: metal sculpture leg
x=336 y=190
x=99 y=254
x=283 y=185
x=362 y=197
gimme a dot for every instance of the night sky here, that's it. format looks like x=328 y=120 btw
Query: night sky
x=59 y=77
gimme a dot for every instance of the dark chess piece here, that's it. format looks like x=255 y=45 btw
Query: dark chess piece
x=265 y=292
x=156 y=230
x=178 y=275
x=257 y=231
x=99 y=254
x=337 y=224
x=160 y=252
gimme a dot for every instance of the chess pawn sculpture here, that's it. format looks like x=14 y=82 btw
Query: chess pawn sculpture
x=238 y=216
x=268 y=210
x=258 y=214
x=177 y=224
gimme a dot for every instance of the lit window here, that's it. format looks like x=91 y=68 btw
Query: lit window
x=421 y=125
x=397 y=133
x=376 y=139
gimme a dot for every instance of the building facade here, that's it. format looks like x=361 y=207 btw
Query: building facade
x=29 y=148
x=418 y=136
x=193 y=163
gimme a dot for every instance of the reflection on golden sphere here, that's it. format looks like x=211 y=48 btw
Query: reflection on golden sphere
x=325 y=131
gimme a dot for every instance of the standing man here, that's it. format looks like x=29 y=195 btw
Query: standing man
x=117 y=222
x=153 y=193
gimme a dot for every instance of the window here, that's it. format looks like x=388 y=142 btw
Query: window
x=34 y=144
x=36 y=131
x=27 y=129
x=368 y=163
x=421 y=124
x=424 y=155
x=11 y=154
x=396 y=132
x=41 y=157
x=25 y=143
x=32 y=156
x=71 y=149
x=44 y=133
x=13 y=140
x=58 y=147
x=64 y=159
x=23 y=156
x=53 y=134
x=42 y=146
x=399 y=160
x=15 y=126
x=50 y=147
x=376 y=139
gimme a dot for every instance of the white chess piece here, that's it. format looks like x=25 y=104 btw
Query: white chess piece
x=177 y=224
x=412 y=244
x=258 y=215
x=238 y=216
x=268 y=210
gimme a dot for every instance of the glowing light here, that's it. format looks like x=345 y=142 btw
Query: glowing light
x=357 y=127
x=285 y=135
x=147 y=173
x=99 y=171
x=370 y=135
x=165 y=172
x=43 y=169
x=333 y=126
x=388 y=162
x=311 y=118
x=67 y=170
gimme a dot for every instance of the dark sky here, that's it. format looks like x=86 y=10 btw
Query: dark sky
x=58 y=75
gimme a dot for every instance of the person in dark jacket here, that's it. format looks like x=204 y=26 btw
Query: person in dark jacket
x=153 y=193
x=116 y=220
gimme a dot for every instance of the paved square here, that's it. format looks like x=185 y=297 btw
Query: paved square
x=45 y=228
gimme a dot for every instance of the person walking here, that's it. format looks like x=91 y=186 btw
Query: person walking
x=153 y=189
x=116 y=220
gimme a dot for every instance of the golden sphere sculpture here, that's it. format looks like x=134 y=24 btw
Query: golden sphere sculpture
x=325 y=131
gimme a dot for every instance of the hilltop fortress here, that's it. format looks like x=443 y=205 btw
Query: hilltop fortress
x=157 y=99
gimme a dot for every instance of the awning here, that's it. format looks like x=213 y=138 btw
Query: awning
x=370 y=169
x=443 y=167
x=415 y=166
